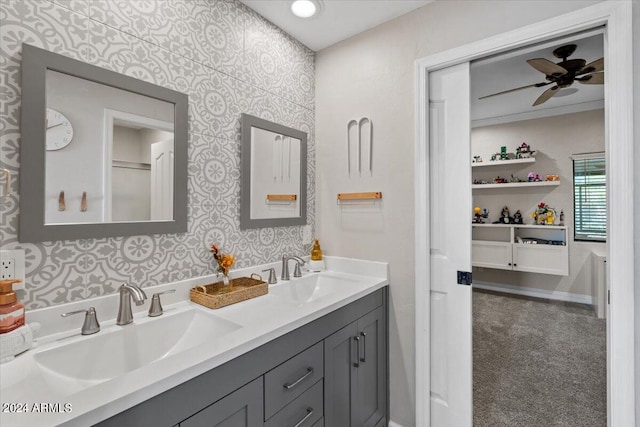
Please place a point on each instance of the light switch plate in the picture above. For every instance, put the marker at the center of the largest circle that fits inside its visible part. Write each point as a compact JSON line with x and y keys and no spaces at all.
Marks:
{"x":15,"y":266}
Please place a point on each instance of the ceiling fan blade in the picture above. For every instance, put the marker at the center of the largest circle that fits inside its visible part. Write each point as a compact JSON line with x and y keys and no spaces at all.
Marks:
{"x":592,"y":79}
{"x":547,"y":67}
{"x":592,"y":67}
{"x":546,"y":95}
{"x":516,"y":89}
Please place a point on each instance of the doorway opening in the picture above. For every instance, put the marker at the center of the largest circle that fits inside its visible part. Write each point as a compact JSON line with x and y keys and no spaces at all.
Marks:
{"x":443,"y":340}
{"x":539,"y":235}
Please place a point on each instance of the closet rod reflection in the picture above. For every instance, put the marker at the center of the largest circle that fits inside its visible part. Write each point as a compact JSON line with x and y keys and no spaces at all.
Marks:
{"x":131,"y":165}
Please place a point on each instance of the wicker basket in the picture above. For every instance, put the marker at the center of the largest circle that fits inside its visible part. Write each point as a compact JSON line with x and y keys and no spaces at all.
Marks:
{"x":216,"y":295}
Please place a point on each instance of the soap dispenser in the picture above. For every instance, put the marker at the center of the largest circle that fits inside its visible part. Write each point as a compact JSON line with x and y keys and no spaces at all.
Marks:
{"x":316,"y":263}
{"x":11,"y":310}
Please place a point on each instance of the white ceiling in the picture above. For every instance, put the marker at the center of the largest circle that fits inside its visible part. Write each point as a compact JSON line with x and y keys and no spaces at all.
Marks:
{"x":511,"y":71}
{"x":338,"y":19}
{"x":341,"y":19}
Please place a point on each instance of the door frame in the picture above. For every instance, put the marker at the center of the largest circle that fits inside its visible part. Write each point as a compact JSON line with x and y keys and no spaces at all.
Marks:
{"x":617,"y":19}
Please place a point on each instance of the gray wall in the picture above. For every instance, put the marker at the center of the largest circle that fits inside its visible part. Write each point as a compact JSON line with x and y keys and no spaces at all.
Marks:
{"x":372,"y":74}
{"x":229,"y":61}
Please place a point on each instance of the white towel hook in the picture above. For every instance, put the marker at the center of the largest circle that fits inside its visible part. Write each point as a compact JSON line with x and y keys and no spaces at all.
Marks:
{"x":364,"y":121}
{"x":349,"y":124}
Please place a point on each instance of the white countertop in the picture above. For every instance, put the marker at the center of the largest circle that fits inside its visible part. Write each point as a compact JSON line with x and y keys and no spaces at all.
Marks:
{"x":261,"y":320}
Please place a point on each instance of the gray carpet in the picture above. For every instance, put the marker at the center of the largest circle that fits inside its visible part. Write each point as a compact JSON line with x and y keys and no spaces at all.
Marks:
{"x":537,"y":363}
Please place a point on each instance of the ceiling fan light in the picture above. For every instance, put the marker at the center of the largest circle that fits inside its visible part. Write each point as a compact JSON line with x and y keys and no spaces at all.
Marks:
{"x":303,"y":8}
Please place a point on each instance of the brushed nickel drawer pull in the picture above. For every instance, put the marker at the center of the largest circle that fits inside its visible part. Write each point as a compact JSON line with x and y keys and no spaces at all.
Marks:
{"x":363,"y":359}
{"x":289,"y":386}
{"x":306,"y":417}
{"x":357,"y":362}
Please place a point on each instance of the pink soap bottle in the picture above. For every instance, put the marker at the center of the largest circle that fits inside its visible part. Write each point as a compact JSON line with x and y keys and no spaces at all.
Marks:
{"x":11,"y":310}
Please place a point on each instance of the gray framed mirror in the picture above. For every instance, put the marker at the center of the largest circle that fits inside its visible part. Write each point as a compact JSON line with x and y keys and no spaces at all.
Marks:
{"x":274,"y":174}
{"x":102,"y":154}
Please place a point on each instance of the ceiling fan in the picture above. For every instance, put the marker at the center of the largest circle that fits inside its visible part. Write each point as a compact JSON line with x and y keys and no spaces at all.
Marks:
{"x":562,"y":74}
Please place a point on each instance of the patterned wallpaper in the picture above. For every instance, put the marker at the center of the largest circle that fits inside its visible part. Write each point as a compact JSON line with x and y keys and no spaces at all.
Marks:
{"x":229,"y":60}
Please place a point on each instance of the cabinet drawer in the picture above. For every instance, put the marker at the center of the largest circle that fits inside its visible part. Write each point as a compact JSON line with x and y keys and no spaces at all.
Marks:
{"x":242,"y":408}
{"x":304,"y":411}
{"x":289,"y":380}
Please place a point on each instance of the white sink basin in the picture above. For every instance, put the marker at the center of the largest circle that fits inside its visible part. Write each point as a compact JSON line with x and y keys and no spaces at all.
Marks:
{"x":311,"y":288}
{"x":122,"y":349}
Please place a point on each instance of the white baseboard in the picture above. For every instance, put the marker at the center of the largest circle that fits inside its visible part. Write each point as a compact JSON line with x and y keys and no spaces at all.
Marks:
{"x":535,"y":292}
{"x":393,"y":424}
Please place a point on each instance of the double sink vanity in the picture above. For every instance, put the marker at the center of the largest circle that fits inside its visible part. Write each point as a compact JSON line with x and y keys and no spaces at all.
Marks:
{"x":311,"y":352}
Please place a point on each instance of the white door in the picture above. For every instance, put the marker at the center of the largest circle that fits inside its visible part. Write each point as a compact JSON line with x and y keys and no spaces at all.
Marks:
{"x":450,"y":251}
{"x":162,"y":180}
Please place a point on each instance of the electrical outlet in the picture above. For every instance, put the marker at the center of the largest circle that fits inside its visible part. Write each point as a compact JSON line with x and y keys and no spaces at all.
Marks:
{"x":7,"y":269}
{"x":12,"y":266}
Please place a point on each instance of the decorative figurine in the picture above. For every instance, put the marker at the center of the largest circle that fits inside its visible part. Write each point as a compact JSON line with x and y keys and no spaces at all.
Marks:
{"x":505,"y":217}
{"x":544,"y":214}
{"x":534,"y":177}
{"x":561,"y":217}
{"x":477,"y":159}
{"x":499,"y":180}
{"x":479,"y":215}
{"x":524,"y":151}
{"x":503,"y":153}
{"x":551,"y":217}
{"x":517,"y":217}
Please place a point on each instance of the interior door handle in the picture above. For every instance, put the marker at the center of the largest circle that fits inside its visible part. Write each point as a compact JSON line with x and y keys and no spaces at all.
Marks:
{"x":357,"y":362}
{"x":363,"y":359}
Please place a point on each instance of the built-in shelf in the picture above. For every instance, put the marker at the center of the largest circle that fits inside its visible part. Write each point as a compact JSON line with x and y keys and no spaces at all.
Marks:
{"x":550,"y":227}
{"x":527,"y":248}
{"x":127,"y":164}
{"x":517,"y":184}
{"x":503,"y":162}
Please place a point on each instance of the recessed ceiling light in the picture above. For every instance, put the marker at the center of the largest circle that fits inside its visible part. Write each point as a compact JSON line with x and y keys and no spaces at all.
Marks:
{"x":304,"y":8}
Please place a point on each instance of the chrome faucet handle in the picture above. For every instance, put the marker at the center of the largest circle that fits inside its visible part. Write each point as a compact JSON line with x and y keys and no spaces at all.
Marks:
{"x":285,"y":266}
{"x":272,"y":275}
{"x":296,"y":271}
{"x":156,"y":306}
{"x":90,"y":325}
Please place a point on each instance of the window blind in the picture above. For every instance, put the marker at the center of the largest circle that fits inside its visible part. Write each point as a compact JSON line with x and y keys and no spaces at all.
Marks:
{"x":590,"y":198}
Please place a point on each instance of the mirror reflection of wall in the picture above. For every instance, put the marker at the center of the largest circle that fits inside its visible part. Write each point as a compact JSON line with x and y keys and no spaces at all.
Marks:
{"x":109,"y":155}
{"x":275,"y":175}
{"x":131,"y":174}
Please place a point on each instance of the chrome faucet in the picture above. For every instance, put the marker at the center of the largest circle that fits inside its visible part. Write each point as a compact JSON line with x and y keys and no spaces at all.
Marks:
{"x":285,"y":266}
{"x":128,"y":292}
{"x":90,"y":325}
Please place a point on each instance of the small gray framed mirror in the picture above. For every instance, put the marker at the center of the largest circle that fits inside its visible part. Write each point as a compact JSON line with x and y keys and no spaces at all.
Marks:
{"x":102,"y":154}
{"x":274,"y":174}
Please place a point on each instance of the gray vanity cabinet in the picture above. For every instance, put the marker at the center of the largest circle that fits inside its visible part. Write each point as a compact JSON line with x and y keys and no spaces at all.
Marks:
{"x":242,"y":408}
{"x":355,"y":373}
{"x":330,"y":372}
